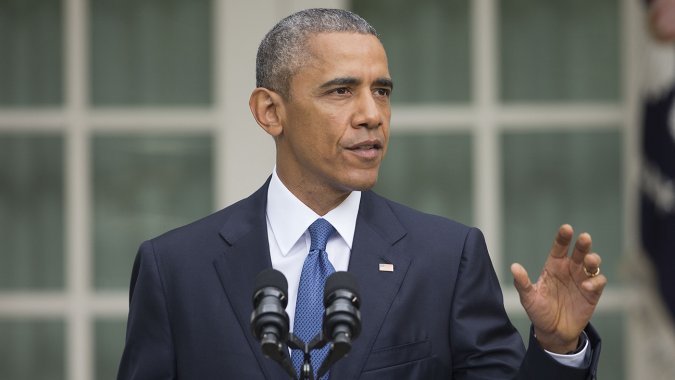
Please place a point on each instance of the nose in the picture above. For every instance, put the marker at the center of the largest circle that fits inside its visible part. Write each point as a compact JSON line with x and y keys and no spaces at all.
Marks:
{"x":368,"y":112}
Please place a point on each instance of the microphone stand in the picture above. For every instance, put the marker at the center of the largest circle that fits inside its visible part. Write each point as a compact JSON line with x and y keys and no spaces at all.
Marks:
{"x":273,"y":347}
{"x":306,"y":371}
{"x":338,"y":349}
{"x":276,"y":351}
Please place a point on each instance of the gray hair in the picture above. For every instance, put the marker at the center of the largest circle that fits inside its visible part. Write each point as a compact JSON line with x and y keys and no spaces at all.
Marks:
{"x":284,"y":48}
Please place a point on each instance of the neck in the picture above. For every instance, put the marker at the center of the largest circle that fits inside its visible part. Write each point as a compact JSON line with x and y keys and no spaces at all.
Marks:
{"x":321,"y":200}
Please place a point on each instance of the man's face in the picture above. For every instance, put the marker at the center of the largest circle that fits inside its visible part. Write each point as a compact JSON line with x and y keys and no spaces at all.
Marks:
{"x":336,"y":120}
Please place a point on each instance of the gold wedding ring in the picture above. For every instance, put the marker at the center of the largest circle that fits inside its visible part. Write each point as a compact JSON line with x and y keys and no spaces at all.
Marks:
{"x":589,"y":274}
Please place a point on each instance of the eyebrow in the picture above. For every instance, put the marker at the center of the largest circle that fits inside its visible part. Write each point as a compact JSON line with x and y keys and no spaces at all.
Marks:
{"x":384,"y":82}
{"x":352,"y":81}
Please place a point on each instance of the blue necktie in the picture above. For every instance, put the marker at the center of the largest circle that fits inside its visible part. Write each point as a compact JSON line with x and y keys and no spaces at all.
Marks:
{"x":309,"y":308}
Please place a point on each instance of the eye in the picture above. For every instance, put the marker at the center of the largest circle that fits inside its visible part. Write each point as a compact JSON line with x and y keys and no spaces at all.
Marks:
{"x":341,"y":91}
{"x":383,"y":91}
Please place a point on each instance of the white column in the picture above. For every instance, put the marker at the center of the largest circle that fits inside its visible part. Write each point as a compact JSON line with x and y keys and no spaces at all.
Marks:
{"x":486,"y":149}
{"x":77,"y":256}
{"x":244,"y":152}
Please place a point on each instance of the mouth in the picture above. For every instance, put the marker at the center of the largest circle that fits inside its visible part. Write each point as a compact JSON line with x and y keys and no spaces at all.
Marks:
{"x":366,"y":145}
{"x":367,"y":150}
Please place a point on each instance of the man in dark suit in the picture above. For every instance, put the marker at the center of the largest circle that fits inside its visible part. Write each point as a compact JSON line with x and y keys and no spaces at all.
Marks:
{"x":431,"y":304}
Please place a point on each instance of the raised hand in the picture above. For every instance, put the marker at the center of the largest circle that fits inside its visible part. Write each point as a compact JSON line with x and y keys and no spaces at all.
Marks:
{"x":560,"y":304}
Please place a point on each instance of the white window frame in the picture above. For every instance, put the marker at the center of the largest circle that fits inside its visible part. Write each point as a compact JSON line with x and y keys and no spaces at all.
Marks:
{"x":238,"y":28}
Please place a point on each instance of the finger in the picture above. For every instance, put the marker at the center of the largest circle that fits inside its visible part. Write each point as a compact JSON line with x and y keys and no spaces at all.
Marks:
{"x":582,"y":247}
{"x":595,"y":286}
{"x":521,"y":280}
{"x":589,"y":267}
{"x":592,"y":262}
{"x":562,"y":241}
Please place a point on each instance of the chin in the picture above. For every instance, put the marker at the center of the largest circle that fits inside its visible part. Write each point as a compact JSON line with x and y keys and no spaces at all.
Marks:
{"x":365,"y":187}
{"x":363,"y":184}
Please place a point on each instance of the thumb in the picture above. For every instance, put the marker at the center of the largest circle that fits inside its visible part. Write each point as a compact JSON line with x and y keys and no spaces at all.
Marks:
{"x":521,"y":280}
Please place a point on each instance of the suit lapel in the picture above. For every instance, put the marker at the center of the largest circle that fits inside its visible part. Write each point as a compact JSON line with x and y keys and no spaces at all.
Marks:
{"x":377,"y":231}
{"x":246,"y":254}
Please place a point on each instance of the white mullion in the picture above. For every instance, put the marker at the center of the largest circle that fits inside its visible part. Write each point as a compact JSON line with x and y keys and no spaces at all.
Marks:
{"x":175,"y":117}
{"x":559,"y":127}
{"x":188,"y":119}
{"x":521,"y":117}
{"x":220,"y":51}
{"x":31,"y":304}
{"x":239,"y":139}
{"x":432,"y":118}
{"x":535,"y":117}
{"x":34,"y":120}
{"x":486,"y":150}
{"x":110,"y":304}
{"x":79,"y":335}
{"x":151,"y":127}
{"x":77,"y":255}
{"x":631,"y":16}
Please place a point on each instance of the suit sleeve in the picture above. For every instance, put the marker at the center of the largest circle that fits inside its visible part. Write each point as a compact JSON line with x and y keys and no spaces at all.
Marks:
{"x":485,"y":345}
{"x":540,"y":365}
{"x":148,"y":352}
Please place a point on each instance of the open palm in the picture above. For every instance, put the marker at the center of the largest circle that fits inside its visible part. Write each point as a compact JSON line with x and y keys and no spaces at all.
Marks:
{"x":560,"y":304}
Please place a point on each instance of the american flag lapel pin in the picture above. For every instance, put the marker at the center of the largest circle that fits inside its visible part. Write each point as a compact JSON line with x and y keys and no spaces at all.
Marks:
{"x":385,"y":267}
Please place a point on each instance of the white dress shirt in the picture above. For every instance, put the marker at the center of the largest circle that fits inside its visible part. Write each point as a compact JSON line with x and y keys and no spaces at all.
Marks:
{"x":287,"y":222}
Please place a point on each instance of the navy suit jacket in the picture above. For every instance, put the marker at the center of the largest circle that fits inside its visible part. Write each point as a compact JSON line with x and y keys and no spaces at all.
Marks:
{"x":438,"y":315}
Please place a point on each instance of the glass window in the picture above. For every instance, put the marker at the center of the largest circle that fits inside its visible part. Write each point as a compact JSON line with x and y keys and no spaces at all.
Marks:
{"x":31,"y":212}
{"x":32,"y":349}
{"x":110,"y":335}
{"x":559,"y":50}
{"x":430,"y":172}
{"x":427,"y":43}
{"x":149,"y":52}
{"x":31,"y":62}
{"x":144,"y":186}
{"x":563,"y":177}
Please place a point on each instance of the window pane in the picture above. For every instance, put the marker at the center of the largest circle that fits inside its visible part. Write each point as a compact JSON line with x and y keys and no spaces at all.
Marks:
{"x":31,"y":212}
{"x":143,"y":186}
{"x":427,"y":43}
{"x":32,"y":349}
{"x":31,"y":60}
{"x":555,"y":178}
{"x":110,"y":335}
{"x":150,"y":52}
{"x":610,"y":326}
{"x":429,"y":172}
{"x":559,"y":50}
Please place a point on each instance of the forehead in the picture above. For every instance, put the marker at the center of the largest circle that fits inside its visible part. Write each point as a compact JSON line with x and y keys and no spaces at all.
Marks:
{"x":337,"y":53}
{"x":343,"y":42}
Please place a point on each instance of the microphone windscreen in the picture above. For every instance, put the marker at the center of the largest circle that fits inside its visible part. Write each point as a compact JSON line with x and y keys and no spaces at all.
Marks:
{"x":340,"y":280}
{"x":271,"y":278}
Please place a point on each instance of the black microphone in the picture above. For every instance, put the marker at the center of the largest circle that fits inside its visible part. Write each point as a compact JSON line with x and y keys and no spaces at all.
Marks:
{"x":269,"y":321}
{"x":342,"y":319}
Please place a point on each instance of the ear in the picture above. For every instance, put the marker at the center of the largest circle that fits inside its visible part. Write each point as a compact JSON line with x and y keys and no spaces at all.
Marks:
{"x":267,"y":108}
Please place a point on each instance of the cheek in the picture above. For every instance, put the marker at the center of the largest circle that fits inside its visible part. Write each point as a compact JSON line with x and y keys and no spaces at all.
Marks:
{"x":385,"y":133}
{"x":336,"y":118}
{"x":331,"y":130}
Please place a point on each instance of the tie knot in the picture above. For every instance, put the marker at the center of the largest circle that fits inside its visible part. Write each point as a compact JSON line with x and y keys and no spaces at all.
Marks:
{"x":319,"y":232}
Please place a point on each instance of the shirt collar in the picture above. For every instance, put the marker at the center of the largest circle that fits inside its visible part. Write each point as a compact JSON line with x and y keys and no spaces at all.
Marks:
{"x":289,"y":218}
